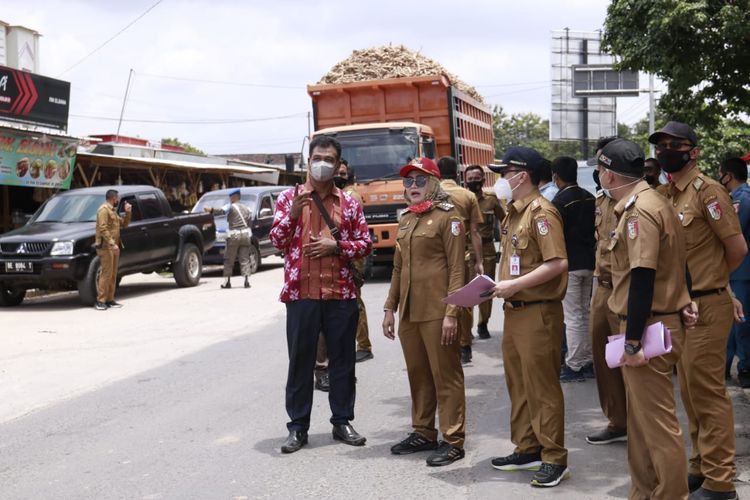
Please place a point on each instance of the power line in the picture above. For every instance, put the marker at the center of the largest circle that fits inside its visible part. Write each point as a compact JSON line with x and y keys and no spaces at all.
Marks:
{"x":131,"y":23}
{"x":222,"y":82}
{"x":204,"y":121}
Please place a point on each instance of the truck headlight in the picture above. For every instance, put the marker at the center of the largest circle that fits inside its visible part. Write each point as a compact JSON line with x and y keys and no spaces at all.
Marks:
{"x":221,"y":236}
{"x":62,"y":248}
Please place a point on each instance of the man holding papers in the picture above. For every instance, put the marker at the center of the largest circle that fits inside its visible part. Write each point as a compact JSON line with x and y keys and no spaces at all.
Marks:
{"x":649,"y":285}
{"x":533,"y":278}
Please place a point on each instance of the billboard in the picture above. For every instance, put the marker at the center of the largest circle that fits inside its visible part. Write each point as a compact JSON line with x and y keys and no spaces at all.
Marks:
{"x":36,"y":160}
{"x":575,"y":117}
{"x":592,"y":80}
{"x":35,"y":99}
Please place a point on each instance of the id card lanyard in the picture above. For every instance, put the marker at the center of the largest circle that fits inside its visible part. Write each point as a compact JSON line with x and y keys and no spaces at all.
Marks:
{"x":515,"y":259}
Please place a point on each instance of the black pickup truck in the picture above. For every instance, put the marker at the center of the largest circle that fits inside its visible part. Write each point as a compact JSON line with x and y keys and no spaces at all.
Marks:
{"x":55,"y":249}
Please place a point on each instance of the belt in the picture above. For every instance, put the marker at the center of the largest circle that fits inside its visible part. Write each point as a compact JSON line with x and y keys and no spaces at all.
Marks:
{"x":702,"y":293}
{"x":604,"y":283}
{"x":520,"y":304}
{"x":624,"y":317}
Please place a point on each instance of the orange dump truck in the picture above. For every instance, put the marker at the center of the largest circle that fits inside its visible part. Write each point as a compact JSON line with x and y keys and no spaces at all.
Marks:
{"x":384,"y":124}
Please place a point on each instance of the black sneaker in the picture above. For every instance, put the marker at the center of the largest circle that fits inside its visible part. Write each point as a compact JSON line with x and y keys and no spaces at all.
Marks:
{"x":363,"y":356}
{"x":695,"y":481}
{"x":606,"y":436}
{"x":100,"y":306}
{"x":322,"y":383}
{"x":518,"y":461}
{"x":446,"y":454}
{"x":482,"y":331}
{"x":466,"y":354}
{"x":413,"y":444}
{"x":588,"y":371}
{"x":550,"y":475}
{"x":114,"y":304}
{"x":704,"y":494}
{"x":567,"y":374}
{"x":743,"y":376}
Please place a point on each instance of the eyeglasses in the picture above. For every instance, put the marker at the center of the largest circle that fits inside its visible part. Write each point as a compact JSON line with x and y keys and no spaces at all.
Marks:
{"x":673,"y":145}
{"x":419,"y":180}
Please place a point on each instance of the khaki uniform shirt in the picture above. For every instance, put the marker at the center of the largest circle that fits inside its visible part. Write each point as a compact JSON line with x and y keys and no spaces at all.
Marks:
{"x":428,"y":263}
{"x":707,"y":215}
{"x":662,"y":189}
{"x":492,"y":212}
{"x":648,"y":235}
{"x":467,"y":206}
{"x":108,"y":224}
{"x":604,"y":226}
{"x":533,"y":230}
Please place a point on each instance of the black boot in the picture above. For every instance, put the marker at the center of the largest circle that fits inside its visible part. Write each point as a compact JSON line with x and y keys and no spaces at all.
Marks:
{"x":482,"y":331}
{"x":227,"y":284}
{"x":247,"y":282}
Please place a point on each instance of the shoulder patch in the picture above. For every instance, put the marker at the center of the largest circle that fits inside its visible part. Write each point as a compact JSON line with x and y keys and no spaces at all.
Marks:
{"x":631,"y":201}
{"x":444,"y":205}
{"x":633,"y":228}
{"x":714,"y":209}
{"x":456,"y":227}
{"x":698,"y":183}
{"x":542,"y":226}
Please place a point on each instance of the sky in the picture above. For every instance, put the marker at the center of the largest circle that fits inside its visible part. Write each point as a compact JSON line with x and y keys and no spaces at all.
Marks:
{"x":270,"y":50}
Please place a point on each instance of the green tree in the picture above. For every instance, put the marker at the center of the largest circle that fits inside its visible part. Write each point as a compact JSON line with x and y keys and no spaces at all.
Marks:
{"x":174,"y":141}
{"x":530,"y":130}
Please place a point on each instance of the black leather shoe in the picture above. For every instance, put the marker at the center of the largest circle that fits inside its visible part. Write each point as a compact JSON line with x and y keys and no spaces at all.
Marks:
{"x":482,"y":331}
{"x":346,"y":434}
{"x":466,"y":355}
{"x":228,"y":284}
{"x":446,"y":454}
{"x":321,"y":382}
{"x":695,"y":481}
{"x":294,"y":442}
{"x":704,"y":494}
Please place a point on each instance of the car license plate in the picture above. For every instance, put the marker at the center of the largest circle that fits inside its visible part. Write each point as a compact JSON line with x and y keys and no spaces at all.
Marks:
{"x":19,"y":267}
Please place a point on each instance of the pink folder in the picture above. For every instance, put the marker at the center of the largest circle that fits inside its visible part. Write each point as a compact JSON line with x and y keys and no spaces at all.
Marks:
{"x":469,"y":295}
{"x":656,"y":341}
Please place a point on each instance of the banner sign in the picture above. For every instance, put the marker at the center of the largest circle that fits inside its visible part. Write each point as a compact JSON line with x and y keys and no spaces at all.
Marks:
{"x":29,"y":98}
{"x":36,"y":160}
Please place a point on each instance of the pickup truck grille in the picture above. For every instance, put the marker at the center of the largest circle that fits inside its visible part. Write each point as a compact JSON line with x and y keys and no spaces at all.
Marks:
{"x":382,"y":214}
{"x":29,"y":248}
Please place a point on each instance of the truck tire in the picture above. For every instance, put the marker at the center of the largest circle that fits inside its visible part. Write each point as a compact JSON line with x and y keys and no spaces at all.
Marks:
{"x":368,"y":267}
{"x":87,"y":287}
{"x":189,"y":268}
{"x":254,"y":259}
{"x":11,"y":297}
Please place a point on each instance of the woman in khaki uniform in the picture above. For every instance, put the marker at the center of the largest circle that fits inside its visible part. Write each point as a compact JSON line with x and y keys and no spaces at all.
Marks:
{"x":427,"y":266}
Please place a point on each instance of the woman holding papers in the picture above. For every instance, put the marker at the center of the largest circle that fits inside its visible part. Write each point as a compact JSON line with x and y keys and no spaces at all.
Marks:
{"x":427,"y":266}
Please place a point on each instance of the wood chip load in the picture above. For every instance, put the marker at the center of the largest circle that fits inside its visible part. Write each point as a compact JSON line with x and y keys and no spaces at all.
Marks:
{"x":380,"y":63}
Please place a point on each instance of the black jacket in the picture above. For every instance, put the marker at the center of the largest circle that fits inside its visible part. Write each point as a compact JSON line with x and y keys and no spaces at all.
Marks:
{"x":577,"y":207}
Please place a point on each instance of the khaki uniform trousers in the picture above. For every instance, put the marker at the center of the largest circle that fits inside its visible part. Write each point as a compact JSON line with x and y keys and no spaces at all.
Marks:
{"x":602,"y":324}
{"x":489,"y":263}
{"x":363,"y":332}
{"x":107,"y":281}
{"x":656,"y":450}
{"x":704,"y":393}
{"x":532,"y":338}
{"x":235,"y":247}
{"x":465,"y":315}
{"x":436,"y":380}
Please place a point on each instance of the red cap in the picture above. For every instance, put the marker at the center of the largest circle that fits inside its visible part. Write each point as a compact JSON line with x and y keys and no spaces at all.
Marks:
{"x":423,"y":165}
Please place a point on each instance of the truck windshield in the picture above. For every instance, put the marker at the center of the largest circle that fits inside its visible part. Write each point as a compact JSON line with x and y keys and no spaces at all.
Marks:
{"x":218,"y":200}
{"x":378,"y":153}
{"x":77,"y":208}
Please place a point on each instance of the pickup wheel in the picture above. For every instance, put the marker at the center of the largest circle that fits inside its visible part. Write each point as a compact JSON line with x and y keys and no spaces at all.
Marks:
{"x":254,"y":259}
{"x":10,"y":297}
{"x":188,"y":270}
{"x":87,"y":287}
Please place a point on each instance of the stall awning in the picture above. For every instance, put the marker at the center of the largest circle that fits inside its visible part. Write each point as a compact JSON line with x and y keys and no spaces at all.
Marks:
{"x":130,"y":162}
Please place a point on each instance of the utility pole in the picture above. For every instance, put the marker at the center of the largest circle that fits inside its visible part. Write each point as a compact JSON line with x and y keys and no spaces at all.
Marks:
{"x":651,"y":113}
{"x":124,"y":100}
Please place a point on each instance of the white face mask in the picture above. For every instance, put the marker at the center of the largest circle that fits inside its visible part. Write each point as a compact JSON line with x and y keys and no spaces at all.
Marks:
{"x":502,"y":188}
{"x":322,"y":171}
{"x":608,"y":191}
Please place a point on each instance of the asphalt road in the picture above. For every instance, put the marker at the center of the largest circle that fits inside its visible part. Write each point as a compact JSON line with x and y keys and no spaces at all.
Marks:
{"x":180,"y":395}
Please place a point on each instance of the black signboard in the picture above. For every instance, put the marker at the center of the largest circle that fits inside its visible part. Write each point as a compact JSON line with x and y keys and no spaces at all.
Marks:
{"x":29,"y":98}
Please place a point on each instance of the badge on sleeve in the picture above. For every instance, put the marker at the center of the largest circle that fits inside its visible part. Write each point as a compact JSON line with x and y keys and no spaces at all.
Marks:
{"x":714,"y":210}
{"x":456,"y":227}
{"x":736,"y":205}
{"x":542,"y":226}
{"x":632,"y":228}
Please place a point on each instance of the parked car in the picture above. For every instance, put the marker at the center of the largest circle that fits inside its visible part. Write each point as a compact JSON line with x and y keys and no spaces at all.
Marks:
{"x":261,"y":201}
{"x":55,"y":249}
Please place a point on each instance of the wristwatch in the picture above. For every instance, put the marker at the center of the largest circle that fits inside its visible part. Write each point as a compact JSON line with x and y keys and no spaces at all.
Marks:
{"x":632,"y":349}
{"x":338,"y":248}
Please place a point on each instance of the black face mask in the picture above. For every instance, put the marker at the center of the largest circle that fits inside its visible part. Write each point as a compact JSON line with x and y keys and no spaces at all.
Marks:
{"x":595,"y":175}
{"x":474,"y":186}
{"x":672,"y":161}
{"x":650,"y":179}
{"x":340,"y":182}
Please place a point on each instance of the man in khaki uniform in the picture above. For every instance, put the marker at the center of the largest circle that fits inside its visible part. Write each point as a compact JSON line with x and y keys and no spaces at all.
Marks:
{"x":603,"y":323}
{"x":493,"y":213}
{"x":651,"y":174}
{"x":108,"y":245}
{"x":532,"y":280}
{"x":468,"y":207}
{"x":715,"y":247}
{"x":648,"y":275}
